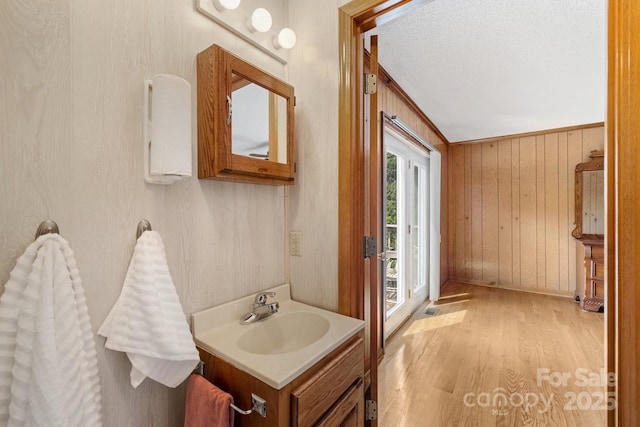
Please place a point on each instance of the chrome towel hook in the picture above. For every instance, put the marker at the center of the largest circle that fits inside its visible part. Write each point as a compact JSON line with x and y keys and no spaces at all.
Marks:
{"x":47,"y":227}
{"x":143,"y":226}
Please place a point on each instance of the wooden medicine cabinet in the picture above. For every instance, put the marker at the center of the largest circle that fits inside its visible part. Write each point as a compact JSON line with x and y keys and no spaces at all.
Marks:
{"x":245,"y":121}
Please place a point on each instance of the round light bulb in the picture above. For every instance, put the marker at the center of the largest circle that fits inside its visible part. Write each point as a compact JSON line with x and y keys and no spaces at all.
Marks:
{"x":221,"y":5}
{"x":260,"y":20}
{"x":286,"y":39}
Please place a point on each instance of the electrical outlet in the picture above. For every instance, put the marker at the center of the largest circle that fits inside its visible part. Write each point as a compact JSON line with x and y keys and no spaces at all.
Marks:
{"x":295,"y":243}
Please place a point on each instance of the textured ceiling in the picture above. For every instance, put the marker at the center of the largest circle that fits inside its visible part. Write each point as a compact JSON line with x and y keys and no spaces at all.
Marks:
{"x":487,"y":68}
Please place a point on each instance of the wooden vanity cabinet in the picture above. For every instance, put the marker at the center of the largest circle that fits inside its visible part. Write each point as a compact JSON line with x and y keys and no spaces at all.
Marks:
{"x":328,"y":394}
{"x":592,"y":296}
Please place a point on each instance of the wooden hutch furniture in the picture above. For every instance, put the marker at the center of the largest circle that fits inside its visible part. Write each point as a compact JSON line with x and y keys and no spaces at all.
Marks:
{"x":589,"y":230}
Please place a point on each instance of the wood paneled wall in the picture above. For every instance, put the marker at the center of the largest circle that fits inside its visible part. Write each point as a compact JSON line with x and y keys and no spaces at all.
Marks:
{"x":392,"y":104}
{"x":511,"y":205}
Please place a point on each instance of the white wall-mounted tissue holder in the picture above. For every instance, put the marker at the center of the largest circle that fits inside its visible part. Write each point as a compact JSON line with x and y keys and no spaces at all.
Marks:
{"x":167,"y":129}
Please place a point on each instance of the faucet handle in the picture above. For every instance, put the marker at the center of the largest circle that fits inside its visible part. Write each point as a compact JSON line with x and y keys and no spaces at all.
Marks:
{"x":261,"y":298}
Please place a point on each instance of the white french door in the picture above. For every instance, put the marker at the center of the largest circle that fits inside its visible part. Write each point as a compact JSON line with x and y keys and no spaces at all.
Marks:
{"x":406,"y":230}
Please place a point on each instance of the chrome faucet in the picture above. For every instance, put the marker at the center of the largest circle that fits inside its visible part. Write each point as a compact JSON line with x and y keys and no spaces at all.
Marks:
{"x":261,"y":298}
{"x":261,"y":310}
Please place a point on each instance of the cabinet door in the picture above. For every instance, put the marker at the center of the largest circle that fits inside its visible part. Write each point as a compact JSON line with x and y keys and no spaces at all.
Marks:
{"x":348,"y":411}
{"x":319,"y":394}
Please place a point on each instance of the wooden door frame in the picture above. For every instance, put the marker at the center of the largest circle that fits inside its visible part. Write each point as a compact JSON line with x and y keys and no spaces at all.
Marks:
{"x":355,"y":295}
{"x":622,"y":242}
{"x":355,"y":18}
{"x":623,"y":200}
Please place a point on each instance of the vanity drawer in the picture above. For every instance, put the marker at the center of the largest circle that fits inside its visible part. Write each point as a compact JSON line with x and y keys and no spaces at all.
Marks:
{"x":318,"y":394}
{"x":597,"y":251}
{"x":348,"y":411}
{"x":597,"y":268}
{"x":597,"y":289}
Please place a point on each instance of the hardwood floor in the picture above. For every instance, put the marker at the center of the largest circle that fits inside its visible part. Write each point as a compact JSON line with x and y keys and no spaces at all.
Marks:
{"x":495,"y":357}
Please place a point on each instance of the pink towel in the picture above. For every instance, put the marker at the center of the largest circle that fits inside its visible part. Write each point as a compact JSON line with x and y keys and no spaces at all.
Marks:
{"x":207,"y":405}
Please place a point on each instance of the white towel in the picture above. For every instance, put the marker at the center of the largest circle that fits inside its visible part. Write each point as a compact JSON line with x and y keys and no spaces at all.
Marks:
{"x":147,"y":321}
{"x":48,"y":365}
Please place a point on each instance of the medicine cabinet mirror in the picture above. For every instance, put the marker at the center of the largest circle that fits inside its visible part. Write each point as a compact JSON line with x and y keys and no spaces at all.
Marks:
{"x":590,"y":222}
{"x":245,"y":121}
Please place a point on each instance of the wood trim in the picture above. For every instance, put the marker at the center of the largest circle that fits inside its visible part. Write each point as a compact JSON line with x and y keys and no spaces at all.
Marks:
{"x":397,"y":90}
{"x":529,"y":289}
{"x":610,"y":304}
{"x":350,"y":173}
{"x":273,"y":127}
{"x":526,"y":134}
{"x":374,"y":229}
{"x":622,"y":244}
{"x":368,"y":14}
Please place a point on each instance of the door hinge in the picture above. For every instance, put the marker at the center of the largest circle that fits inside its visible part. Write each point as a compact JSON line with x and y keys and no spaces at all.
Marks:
{"x":370,"y":83}
{"x":369,"y":247}
{"x":371,"y":410}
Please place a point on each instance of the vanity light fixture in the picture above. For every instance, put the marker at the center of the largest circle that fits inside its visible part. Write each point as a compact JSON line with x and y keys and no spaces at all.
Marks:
{"x":255,"y":28}
{"x":223,"y":5}
{"x":286,"y":39}
{"x":260,"y":21}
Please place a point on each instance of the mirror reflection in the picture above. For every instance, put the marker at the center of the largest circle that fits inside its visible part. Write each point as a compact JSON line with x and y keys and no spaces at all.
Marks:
{"x":593,"y":202}
{"x":589,"y":207}
{"x":259,"y":121}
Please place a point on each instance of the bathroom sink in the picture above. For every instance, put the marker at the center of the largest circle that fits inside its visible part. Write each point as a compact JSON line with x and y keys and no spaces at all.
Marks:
{"x":277,"y":349}
{"x":284,"y":333}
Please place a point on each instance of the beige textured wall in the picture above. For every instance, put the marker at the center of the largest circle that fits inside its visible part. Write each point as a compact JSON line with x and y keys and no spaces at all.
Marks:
{"x":71,"y":84}
{"x":313,"y":205}
{"x":512,"y":209}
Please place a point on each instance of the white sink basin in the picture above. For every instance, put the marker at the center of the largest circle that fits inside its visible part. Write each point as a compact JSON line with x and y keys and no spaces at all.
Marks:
{"x":284,"y":333}
{"x":279,"y":348}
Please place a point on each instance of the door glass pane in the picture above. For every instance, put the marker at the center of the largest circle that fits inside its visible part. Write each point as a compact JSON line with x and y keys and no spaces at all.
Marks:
{"x":393,"y":240}
{"x":419,"y":248}
{"x":415,"y":230}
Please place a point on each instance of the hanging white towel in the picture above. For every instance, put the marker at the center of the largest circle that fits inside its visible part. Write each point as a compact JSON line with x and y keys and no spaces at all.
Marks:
{"x":147,"y":321}
{"x":48,"y":365}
